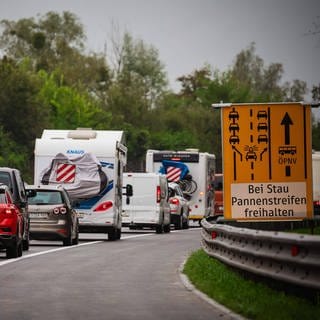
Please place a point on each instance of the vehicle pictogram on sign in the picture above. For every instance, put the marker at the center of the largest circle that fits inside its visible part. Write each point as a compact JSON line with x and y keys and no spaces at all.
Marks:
{"x":267,"y":161}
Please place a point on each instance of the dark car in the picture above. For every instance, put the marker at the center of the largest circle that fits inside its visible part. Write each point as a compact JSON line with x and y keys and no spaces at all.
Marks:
{"x":11,"y":224}
{"x":52,"y":216}
{"x":12,"y":178}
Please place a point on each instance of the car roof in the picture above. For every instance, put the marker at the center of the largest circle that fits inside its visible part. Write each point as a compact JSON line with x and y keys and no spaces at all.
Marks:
{"x":57,"y":187}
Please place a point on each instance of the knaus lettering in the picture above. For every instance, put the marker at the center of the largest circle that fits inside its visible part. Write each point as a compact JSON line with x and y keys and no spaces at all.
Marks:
{"x":70,"y":151}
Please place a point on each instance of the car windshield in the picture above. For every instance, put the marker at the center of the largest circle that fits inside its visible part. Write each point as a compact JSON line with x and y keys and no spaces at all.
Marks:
{"x":46,"y":197}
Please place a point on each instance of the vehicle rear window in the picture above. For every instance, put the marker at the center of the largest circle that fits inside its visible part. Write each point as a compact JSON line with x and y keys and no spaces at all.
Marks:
{"x":218,"y":185}
{"x":46,"y":197}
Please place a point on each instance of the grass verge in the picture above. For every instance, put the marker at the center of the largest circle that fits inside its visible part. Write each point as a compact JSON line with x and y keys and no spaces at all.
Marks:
{"x":250,"y":299}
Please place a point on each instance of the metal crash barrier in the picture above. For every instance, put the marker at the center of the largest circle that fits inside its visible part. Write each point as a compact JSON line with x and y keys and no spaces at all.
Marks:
{"x":289,"y":257}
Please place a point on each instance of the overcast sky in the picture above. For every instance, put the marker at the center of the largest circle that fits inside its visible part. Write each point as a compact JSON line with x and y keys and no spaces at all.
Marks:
{"x":190,"y":33}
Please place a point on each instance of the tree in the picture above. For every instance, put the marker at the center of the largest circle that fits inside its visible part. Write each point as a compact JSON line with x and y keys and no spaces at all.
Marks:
{"x":263,"y":82}
{"x":56,"y":42}
{"x":68,"y":107}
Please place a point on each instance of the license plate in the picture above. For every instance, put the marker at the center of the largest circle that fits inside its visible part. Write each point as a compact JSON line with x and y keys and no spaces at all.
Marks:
{"x":80,"y":215}
{"x":38,"y":215}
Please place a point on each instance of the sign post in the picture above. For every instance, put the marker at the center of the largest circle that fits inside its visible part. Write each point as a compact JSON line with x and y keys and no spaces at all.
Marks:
{"x":267,"y":161}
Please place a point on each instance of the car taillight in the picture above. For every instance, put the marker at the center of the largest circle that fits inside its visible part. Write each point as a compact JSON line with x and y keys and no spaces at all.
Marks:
{"x":104,"y":206}
{"x":9,"y":211}
{"x":60,"y":210}
{"x":158,"y":193}
{"x":174,"y":201}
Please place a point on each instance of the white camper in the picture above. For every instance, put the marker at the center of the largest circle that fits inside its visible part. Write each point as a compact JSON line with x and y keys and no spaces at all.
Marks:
{"x":149,"y":206}
{"x":194,"y":171}
{"x":89,"y":164}
{"x":316,"y":181}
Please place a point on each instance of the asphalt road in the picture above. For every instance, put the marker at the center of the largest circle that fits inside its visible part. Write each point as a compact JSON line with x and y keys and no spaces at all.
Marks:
{"x":134,"y":278}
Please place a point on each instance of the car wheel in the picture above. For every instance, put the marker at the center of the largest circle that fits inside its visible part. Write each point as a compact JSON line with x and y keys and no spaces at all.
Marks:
{"x":13,"y":251}
{"x":26,"y":243}
{"x":20,"y":249}
{"x":178,"y":224}
{"x":68,"y":240}
{"x":118,"y":234}
{"x":75,"y":241}
{"x":185,"y":224}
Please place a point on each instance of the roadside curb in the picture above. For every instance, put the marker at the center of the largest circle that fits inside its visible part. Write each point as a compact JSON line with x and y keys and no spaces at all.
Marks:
{"x":225,"y":312}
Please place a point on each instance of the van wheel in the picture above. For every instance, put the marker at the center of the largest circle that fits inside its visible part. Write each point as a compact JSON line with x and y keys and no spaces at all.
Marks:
{"x":159,"y":228}
{"x":166,"y":228}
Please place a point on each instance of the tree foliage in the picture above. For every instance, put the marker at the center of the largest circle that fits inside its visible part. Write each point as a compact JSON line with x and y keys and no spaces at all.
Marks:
{"x":49,"y":80}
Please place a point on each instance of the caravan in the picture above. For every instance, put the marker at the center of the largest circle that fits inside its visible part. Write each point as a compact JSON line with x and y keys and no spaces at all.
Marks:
{"x":194,"y":171}
{"x":89,"y":164}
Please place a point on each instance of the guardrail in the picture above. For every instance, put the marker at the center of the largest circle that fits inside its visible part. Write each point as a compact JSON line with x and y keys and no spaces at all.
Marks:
{"x":289,"y":257}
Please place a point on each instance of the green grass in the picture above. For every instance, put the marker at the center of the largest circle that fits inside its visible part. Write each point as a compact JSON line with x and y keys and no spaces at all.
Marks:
{"x":252,"y":300}
{"x":316,"y":231}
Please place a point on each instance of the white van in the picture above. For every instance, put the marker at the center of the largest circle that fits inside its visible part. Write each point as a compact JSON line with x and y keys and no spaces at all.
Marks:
{"x":149,"y":205}
{"x":89,"y":164}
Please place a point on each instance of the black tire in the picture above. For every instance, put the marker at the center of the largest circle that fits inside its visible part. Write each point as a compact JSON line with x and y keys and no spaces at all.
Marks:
{"x":26,"y":240}
{"x":26,"y":243}
{"x":118,"y":234}
{"x":75,"y":241}
{"x":159,"y":228}
{"x":178,"y":224}
{"x":185,"y":224}
{"x":20,"y":249}
{"x":112,"y":235}
{"x":68,"y":241}
{"x":166,"y":228}
{"x":13,"y":251}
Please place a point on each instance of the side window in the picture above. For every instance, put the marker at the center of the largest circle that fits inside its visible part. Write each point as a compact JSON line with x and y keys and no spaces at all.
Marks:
{"x":9,"y":199}
{"x":20,"y":184}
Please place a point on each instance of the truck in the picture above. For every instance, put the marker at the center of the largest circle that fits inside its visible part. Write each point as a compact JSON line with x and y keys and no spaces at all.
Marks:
{"x":194,"y":171}
{"x":316,"y":181}
{"x":149,"y":206}
{"x":89,"y":165}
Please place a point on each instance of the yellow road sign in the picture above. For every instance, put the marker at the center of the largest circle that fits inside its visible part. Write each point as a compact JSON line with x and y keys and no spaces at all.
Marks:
{"x":267,"y":161}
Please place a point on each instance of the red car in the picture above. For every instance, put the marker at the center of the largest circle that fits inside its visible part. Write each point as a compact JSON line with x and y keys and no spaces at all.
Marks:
{"x":11,"y":224}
